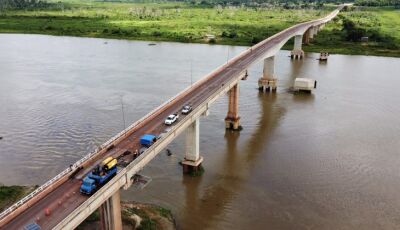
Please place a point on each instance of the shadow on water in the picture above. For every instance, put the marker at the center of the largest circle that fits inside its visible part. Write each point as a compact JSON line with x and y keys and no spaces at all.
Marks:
{"x":234,"y":171}
{"x":303,"y":97}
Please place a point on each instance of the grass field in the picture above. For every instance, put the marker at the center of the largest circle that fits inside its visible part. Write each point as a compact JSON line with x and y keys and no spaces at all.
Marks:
{"x":167,"y":21}
{"x":382,"y":26}
{"x":11,"y":194}
{"x":182,"y":22}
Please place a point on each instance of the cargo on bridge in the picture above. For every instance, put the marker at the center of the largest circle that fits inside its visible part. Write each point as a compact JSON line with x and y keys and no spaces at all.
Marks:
{"x":109,"y":163}
{"x":99,"y":176}
{"x":148,"y":139}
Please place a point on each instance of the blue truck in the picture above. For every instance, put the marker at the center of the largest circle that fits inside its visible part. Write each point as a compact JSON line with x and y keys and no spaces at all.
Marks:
{"x":99,"y":176}
{"x":148,"y":139}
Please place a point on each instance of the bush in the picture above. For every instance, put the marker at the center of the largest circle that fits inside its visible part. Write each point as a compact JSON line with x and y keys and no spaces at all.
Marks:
{"x":116,"y":31}
{"x":232,"y":34}
{"x":157,"y":33}
{"x":255,"y":40}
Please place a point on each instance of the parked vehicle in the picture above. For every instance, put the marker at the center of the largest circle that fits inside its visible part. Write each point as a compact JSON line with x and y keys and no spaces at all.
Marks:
{"x":171,"y":119}
{"x":99,"y":176}
{"x":32,"y":226}
{"x":148,"y":139}
{"x":186,"y":109}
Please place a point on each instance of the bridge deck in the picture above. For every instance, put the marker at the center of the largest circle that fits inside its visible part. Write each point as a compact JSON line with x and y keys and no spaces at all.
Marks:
{"x":64,"y":199}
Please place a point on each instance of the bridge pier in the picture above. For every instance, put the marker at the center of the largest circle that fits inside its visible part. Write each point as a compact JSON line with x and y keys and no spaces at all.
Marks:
{"x":232,"y":120}
{"x":316,"y":30}
{"x":268,"y":81}
{"x":306,"y":37}
{"x":110,"y":213}
{"x":193,"y":160}
{"x":311,"y":33}
{"x":297,"y":52}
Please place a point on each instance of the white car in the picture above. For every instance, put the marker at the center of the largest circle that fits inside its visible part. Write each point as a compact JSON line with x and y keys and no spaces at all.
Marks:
{"x":171,"y":119}
{"x":186,"y":109}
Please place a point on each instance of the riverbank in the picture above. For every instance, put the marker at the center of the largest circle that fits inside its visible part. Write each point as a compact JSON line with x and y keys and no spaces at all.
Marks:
{"x":379,"y":25}
{"x":179,"y":22}
{"x":183,"y":22}
{"x":11,"y":194}
{"x":137,"y":216}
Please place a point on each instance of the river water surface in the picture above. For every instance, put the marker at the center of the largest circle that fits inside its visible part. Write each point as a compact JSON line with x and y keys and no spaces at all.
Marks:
{"x":329,"y":160}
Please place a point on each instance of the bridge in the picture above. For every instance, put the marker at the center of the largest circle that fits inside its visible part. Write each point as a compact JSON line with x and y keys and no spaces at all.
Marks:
{"x":58,"y":203}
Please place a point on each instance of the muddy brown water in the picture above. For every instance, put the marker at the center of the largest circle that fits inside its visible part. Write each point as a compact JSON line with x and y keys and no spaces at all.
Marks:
{"x":329,"y":160}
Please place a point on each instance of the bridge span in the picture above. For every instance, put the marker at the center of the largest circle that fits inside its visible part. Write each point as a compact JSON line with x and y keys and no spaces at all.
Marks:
{"x":58,"y":203}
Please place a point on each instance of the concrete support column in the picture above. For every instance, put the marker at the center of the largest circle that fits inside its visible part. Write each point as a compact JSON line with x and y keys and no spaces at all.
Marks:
{"x":297,"y":42}
{"x":311,"y":32}
{"x":268,"y":81}
{"x":316,"y":29}
{"x":297,"y":52}
{"x":306,"y":37}
{"x":192,"y":159}
{"x":110,"y":213}
{"x":232,"y":120}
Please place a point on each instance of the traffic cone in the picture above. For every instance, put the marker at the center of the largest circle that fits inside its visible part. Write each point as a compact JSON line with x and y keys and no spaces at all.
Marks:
{"x":47,"y":212}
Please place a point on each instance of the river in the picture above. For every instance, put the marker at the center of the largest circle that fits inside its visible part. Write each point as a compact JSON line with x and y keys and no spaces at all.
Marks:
{"x":327,"y":160}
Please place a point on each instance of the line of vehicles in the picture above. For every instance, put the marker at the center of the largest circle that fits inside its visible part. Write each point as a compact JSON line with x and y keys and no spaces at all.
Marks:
{"x":107,"y":169}
{"x":174,"y":117}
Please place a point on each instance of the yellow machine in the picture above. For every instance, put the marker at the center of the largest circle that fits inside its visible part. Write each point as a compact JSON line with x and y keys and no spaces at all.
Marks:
{"x":109,"y":163}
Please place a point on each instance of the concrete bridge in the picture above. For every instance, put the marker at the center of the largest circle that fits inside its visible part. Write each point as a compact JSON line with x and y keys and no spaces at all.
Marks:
{"x":58,"y":203}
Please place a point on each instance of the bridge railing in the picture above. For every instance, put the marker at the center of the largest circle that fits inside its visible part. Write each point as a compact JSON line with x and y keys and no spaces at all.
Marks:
{"x":35,"y":192}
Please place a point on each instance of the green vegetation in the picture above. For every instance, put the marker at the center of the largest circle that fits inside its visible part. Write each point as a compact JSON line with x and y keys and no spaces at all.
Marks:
{"x":147,"y":222}
{"x":179,"y":22}
{"x":151,"y":217}
{"x":11,"y":194}
{"x":23,"y":4}
{"x":380,"y":25}
{"x":378,"y":3}
{"x":206,"y":22}
{"x":165,"y":212}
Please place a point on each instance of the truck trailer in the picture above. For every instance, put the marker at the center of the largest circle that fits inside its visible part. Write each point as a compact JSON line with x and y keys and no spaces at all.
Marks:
{"x":99,"y":176}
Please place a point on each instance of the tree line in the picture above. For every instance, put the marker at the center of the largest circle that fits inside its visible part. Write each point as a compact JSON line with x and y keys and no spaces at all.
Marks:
{"x":23,"y":4}
{"x":37,"y":4}
{"x":378,"y":3}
